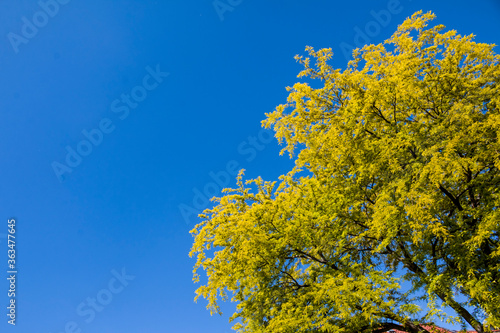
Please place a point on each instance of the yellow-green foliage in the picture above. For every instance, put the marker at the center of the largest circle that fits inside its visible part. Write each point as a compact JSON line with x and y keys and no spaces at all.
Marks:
{"x":394,"y":198}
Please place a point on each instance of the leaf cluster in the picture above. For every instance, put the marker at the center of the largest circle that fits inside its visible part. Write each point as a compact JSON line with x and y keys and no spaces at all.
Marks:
{"x":393,"y":200}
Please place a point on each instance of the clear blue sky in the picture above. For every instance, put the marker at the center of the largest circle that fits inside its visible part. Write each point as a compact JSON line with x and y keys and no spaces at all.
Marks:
{"x":116,"y":116}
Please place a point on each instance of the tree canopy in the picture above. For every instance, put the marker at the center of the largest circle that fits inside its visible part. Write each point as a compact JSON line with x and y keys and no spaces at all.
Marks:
{"x":392,"y":203}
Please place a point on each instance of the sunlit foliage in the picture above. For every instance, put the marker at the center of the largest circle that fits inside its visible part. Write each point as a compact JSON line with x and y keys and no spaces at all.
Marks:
{"x":393,"y":200}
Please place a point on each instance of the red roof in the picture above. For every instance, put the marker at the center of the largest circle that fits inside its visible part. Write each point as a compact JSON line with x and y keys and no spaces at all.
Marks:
{"x":430,"y":328}
{"x":436,"y":329}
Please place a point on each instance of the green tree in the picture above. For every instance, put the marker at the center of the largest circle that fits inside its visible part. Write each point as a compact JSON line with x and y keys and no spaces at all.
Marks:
{"x":393,"y":200}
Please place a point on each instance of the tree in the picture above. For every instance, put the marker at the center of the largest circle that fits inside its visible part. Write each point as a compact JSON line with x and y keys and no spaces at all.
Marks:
{"x":393,"y":200}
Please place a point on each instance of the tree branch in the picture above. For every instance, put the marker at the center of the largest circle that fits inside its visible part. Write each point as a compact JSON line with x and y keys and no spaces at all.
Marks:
{"x":451,"y":197}
{"x":412,"y":266}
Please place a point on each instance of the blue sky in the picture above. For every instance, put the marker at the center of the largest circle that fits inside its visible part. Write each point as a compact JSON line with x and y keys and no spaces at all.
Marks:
{"x":119,"y":118}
